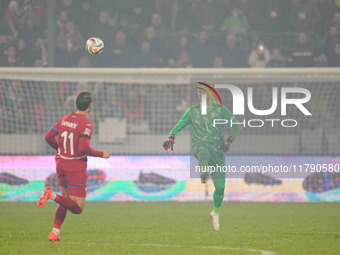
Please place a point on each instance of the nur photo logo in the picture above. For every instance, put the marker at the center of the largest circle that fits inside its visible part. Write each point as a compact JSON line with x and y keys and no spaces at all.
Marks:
{"x":282,"y":97}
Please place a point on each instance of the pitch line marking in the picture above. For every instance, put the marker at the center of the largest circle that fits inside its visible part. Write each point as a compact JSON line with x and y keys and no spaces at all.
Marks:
{"x":261,"y":252}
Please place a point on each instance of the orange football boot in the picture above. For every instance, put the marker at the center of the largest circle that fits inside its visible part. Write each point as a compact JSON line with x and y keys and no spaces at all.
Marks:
{"x":46,"y":196}
{"x":53,"y":237}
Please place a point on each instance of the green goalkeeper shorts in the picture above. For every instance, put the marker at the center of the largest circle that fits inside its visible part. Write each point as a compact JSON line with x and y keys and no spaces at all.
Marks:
{"x":216,"y":159}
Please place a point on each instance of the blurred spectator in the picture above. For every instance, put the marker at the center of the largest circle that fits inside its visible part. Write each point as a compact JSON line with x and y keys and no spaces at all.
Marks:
{"x":157,"y":45}
{"x":37,"y":106}
{"x":38,"y":63}
{"x":10,"y":58}
{"x":326,"y":9}
{"x":232,"y":54}
{"x":21,"y":122}
{"x":10,"y":21}
{"x":29,"y":32}
{"x":69,"y":6}
{"x":24,"y":54}
{"x":3,"y":46}
{"x":270,"y":16}
{"x":122,"y":7}
{"x":334,"y":60}
{"x":209,"y":14}
{"x":183,"y":43}
{"x":327,"y":44}
{"x":3,"y":8}
{"x":180,"y":45}
{"x":169,"y":20}
{"x":134,"y":107}
{"x":112,"y":108}
{"x":276,"y":59}
{"x":160,"y":30}
{"x":123,"y":24}
{"x":120,"y":54}
{"x":305,"y":15}
{"x":69,"y":44}
{"x":84,"y":18}
{"x":336,"y":20}
{"x":84,"y":61}
{"x":62,"y":20}
{"x":108,"y":5}
{"x":62,"y":92}
{"x":138,"y":20}
{"x":41,"y":14}
{"x":200,"y":51}
{"x":175,"y":13}
{"x":321,"y":60}
{"x":302,"y":53}
{"x":14,"y":97}
{"x":218,"y":62}
{"x":259,"y":57}
{"x":103,"y":28}
{"x":145,"y":57}
{"x":18,"y":106}
{"x":40,"y":51}
{"x":236,"y":23}
{"x":18,"y":117}
{"x":183,"y":60}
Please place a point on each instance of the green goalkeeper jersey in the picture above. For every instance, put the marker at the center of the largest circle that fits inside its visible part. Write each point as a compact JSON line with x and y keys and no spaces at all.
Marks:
{"x":203,"y":131}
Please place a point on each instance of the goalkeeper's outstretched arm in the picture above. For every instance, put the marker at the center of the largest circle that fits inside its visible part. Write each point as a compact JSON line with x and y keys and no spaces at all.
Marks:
{"x":182,"y":123}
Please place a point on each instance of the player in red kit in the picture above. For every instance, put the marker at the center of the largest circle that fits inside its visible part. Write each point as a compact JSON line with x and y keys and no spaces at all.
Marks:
{"x":74,"y":133}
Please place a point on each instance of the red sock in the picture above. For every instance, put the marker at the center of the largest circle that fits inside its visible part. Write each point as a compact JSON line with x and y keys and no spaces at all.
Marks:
{"x":69,"y":204}
{"x":60,"y":215}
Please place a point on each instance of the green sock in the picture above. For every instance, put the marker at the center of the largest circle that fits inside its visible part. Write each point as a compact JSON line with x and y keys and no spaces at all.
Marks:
{"x":216,"y":209}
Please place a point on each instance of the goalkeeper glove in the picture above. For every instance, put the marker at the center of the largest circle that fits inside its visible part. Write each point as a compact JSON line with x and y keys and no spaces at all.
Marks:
{"x":204,"y":177}
{"x":225,"y":146}
{"x":169,"y":143}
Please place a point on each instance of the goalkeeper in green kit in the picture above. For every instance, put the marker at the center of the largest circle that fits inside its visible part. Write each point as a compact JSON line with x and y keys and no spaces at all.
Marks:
{"x":208,"y":143}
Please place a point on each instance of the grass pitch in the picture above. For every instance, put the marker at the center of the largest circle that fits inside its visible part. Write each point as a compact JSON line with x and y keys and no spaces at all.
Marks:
{"x":173,"y":228}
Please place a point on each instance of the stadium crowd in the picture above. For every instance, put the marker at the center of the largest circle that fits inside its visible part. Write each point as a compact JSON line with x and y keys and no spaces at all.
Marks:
{"x":173,"y":33}
{"x":153,"y":33}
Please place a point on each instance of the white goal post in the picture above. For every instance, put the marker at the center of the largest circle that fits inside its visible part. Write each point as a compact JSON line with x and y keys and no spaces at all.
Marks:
{"x":166,"y":75}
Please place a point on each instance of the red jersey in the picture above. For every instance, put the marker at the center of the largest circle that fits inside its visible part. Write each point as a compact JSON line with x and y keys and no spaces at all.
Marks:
{"x":74,"y":133}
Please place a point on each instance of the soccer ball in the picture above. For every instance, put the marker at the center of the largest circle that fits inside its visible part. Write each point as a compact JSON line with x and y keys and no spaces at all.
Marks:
{"x":94,"y":45}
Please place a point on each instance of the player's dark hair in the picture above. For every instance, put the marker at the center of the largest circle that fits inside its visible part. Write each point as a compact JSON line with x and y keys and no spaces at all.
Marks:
{"x":84,"y":99}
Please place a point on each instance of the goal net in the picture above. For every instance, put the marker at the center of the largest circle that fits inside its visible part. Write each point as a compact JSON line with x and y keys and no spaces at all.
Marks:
{"x":135,"y":109}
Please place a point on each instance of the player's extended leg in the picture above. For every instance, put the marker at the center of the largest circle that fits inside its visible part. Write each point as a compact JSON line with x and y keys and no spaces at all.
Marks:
{"x":65,"y":201}
{"x":75,"y":184}
{"x":73,"y":204}
{"x":219,"y":183}
{"x":203,"y":157}
{"x":60,"y":215}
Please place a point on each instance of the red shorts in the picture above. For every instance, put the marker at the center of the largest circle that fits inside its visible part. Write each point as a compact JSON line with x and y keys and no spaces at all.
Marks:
{"x":73,"y":175}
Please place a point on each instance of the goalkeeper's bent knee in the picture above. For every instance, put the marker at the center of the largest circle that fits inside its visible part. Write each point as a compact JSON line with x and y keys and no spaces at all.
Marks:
{"x":203,"y":155}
